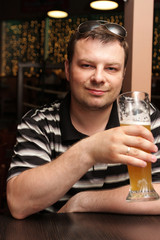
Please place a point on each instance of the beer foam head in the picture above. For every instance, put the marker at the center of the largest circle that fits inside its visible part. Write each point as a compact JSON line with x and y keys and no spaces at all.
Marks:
{"x":131,"y":118}
{"x":131,"y":122}
{"x":136,"y":112}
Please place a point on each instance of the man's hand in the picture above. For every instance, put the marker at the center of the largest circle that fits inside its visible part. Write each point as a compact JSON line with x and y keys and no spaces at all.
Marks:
{"x":111,"y":146}
{"x":74,"y":204}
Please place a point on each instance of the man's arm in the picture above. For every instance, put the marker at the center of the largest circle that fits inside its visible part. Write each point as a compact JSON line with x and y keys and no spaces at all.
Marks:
{"x":40,"y":187}
{"x":113,"y":201}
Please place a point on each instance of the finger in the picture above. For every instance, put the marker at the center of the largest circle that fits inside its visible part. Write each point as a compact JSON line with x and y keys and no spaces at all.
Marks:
{"x":61,"y":210}
{"x":129,"y":155}
{"x":140,"y":143}
{"x":130,"y":160}
{"x":137,"y":130}
{"x":142,"y":155}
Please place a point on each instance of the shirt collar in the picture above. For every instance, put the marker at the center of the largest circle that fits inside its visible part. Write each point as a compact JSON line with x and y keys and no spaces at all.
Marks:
{"x":69,"y":133}
{"x":113,"y":119}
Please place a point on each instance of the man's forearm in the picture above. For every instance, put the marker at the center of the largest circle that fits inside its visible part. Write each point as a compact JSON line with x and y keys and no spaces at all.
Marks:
{"x":113,"y":201}
{"x":38,"y":188}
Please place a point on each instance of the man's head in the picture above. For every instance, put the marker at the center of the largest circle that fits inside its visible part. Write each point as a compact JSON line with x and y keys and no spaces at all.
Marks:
{"x":97,"y":56}
{"x":101,"y":30}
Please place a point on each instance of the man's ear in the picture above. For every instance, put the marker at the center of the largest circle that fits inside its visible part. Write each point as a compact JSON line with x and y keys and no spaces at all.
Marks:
{"x":67,"y":69}
{"x":124,"y":72}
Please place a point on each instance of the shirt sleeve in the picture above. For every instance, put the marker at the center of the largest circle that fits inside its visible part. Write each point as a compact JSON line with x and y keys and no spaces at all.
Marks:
{"x":32,"y":147}
{"x":155,"y":128}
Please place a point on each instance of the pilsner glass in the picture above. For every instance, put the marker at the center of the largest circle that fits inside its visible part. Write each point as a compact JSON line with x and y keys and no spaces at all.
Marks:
{"x":133,"y":109}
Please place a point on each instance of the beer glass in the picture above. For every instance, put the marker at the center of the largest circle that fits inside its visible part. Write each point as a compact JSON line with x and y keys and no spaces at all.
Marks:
{"x":133,"y":109}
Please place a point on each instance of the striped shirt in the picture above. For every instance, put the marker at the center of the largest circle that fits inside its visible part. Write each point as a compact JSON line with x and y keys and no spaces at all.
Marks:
{"x":47,"y":132}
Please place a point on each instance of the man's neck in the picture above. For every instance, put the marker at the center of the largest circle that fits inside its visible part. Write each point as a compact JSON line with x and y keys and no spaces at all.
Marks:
{"x":90,"y":122}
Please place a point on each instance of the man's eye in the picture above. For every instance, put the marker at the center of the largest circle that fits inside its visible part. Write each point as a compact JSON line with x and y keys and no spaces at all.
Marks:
{"x":87,"y":66}
{"x":112,"y":69}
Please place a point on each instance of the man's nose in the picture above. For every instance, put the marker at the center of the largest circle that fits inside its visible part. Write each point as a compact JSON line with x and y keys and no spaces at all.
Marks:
{"x":98,"y":76}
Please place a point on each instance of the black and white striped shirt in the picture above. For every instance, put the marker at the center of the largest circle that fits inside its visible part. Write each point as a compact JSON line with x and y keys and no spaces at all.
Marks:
{"x":47,"y":132}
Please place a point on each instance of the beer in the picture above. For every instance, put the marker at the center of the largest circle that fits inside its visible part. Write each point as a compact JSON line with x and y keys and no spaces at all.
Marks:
{"x":140,"y":178}
{"x":134,"y":109}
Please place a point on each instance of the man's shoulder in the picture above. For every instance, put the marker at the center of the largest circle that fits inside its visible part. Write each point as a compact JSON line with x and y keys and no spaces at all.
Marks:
{"x":154,"y":112}
{"x":47,"y":111}
{"x":155,"y":119}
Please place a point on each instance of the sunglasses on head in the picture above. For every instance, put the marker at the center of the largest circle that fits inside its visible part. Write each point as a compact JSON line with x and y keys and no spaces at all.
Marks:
{"x":113,"y":28}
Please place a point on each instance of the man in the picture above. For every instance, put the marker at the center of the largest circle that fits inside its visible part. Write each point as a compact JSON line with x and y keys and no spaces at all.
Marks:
{"x":71,"y":156}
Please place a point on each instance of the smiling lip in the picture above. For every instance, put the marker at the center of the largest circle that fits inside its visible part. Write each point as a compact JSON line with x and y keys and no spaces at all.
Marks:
{"x":96,"y":92}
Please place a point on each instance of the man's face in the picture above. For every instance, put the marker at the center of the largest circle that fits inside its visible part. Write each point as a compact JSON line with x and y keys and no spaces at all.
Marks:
{"x":95,"y":74}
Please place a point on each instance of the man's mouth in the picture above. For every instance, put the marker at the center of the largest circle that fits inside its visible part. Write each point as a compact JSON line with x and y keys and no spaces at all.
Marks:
{"x":96,"y":92}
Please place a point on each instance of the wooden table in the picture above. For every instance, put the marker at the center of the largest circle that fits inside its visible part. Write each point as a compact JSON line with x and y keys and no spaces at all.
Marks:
{"x":75,"y":226}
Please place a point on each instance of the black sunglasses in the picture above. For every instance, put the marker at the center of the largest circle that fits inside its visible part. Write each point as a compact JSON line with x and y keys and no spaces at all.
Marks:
{"x":113,"y":28}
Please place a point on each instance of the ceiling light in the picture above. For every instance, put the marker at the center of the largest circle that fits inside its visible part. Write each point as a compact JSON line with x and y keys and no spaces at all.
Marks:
{"x":104,"y":5}
{"x":57,"y":14}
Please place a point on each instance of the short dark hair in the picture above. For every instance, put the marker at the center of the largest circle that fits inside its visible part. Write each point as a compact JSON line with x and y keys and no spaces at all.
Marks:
{"x":100,"y":33}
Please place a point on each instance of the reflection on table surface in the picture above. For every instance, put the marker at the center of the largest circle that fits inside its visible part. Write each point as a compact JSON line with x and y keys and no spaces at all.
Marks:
{"x":80,"y":226}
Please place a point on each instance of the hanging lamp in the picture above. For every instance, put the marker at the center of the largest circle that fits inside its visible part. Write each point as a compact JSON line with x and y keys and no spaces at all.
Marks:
{"x":104,"y":5}
{"x":57,"y":14}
